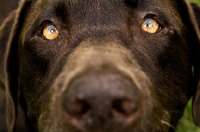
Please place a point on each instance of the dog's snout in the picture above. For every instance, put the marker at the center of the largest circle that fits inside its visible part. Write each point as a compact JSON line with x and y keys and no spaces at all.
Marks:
{"x":101,"y":98}
{"x":97,"y":93}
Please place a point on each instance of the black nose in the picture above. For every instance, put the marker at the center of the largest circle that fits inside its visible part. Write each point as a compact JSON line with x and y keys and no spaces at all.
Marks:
{"x":102,"y":101}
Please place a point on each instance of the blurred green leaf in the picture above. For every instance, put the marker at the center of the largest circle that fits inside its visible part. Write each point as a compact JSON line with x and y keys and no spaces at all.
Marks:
{"x":186,"y":123}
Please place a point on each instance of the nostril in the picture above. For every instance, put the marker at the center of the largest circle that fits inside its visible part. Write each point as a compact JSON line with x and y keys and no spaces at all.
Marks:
{"x":124,"y":107}
{"x":83,"y":108}
{"x":79,"y":108}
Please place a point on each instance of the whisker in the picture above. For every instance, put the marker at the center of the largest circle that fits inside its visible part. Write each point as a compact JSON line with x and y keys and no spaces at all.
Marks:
{"x":168,"y":124}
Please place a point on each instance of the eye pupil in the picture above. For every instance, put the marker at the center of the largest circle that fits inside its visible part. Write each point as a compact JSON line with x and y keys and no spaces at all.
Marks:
{"x":51,"y":29}
{"x":50,"y":32}
{"x":149,"y":23}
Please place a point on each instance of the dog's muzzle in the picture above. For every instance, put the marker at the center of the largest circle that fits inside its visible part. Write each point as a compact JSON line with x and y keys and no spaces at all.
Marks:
{"x":100,"y":89}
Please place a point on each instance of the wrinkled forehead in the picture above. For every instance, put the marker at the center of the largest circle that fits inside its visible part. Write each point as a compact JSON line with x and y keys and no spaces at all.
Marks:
{"x":167,"y":8}
{"x":96,"y":3}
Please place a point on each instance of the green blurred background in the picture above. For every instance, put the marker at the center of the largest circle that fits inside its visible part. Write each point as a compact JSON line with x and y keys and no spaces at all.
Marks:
{"x":197,"y":1}
{"x":186,"y":123}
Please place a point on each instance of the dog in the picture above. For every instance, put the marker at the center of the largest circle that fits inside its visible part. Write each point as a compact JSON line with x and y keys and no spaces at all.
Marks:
{"x":99,"y":65}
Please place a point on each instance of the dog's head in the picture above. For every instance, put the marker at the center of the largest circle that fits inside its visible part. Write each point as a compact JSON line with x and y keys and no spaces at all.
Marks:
{"x":103,"y":65}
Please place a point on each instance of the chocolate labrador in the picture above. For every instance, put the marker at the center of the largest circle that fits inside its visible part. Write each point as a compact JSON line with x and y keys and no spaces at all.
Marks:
{"x":100,"y":65}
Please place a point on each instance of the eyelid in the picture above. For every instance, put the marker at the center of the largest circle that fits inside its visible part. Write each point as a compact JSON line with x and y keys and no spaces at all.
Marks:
{"x":44,"y":24}
{"x":151,"y":16}
{"x":155,"y":17}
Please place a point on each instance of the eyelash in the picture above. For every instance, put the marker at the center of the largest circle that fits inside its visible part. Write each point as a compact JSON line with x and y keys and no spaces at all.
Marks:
{"x":152,"y":16}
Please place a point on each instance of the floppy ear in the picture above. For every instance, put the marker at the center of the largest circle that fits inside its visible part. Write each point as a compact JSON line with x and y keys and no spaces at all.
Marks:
{"x":194,"y":16}
{"x":9,"y":34}
{"x":196,"y":9}
{"x":196,"y":99}
{"x":190,"y":22}
{"x":5,"y":32}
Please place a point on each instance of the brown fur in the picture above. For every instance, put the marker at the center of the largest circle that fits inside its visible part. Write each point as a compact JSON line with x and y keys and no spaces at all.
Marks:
{"x":125,"y":79}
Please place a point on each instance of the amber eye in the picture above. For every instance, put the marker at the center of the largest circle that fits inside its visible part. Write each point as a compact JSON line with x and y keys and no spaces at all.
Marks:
{"x":150,"y":26}
{"x":50,"y":32}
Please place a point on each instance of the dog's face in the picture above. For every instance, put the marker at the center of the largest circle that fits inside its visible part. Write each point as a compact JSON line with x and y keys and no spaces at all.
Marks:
{"x":105,"y":66}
